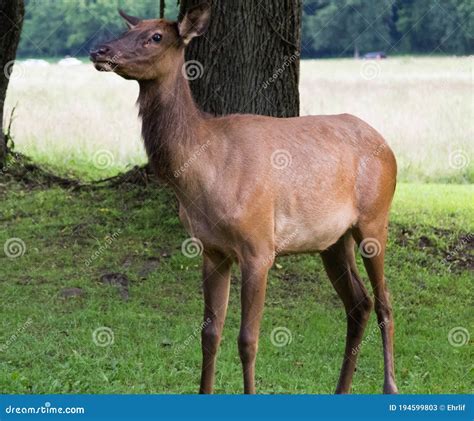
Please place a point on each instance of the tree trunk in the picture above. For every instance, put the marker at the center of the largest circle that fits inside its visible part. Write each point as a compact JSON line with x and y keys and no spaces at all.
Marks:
{"x":11,"y":22}
{"x":249,"y":59}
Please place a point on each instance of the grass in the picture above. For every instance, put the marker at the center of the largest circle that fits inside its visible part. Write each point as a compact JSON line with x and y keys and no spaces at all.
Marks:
{"x":73,"y":237}
{"x":423,"y":106}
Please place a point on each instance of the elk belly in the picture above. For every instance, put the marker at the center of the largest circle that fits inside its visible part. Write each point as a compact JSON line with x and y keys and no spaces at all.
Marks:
{"x":299,"y":233}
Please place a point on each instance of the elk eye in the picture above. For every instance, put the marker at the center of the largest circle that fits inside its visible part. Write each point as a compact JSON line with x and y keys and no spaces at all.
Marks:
{"x":156,"y":38}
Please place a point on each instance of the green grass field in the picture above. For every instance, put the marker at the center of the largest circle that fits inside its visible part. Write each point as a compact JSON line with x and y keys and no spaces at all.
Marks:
{"x":71,"y":239}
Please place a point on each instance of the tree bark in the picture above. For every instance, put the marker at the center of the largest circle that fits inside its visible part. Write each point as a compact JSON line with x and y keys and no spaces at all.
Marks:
{"x":11,"y":21}
{"x":250,"y":57}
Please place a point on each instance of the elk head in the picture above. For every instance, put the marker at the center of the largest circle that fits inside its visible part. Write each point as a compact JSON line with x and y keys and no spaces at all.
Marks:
{"x":151,"y":49}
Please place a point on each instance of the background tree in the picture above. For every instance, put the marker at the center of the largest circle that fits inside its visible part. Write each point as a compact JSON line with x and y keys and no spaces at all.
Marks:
{"x":65,"y":27}
{"x":441,"y":27}
{"x":248,"y":62}
{"x":337,"y":27}
{"x":11,"y":20}
{"x":330,"y":27}
{"x":347,"y":26}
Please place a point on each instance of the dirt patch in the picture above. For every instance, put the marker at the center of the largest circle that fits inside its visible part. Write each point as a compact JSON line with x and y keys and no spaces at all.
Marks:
{"x":144,"y":266}
{"x":22,"y":170}
{"x":66,"y":293}
{"x":461,"y":254}
{"x":403,"y":237}
{"x":149,"y":266}
{"x":119,"y":281}
{"x":424,"y":242}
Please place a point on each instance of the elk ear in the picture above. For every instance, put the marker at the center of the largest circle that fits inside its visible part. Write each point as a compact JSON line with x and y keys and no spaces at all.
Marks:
{"x":131,"y":21}
{"x":195,"y":22}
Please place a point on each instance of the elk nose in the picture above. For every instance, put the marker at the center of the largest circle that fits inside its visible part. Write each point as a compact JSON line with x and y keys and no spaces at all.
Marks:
{"x":102,"y":50}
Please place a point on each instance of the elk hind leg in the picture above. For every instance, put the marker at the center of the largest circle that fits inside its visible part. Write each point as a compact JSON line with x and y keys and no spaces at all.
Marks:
{"x":372,"y":238}
{"x":340,"y":266}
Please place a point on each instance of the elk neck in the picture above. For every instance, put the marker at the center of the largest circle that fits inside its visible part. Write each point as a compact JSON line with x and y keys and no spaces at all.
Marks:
{"x":170,"y":122}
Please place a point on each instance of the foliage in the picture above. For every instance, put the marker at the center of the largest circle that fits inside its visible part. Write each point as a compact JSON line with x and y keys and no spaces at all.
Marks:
{"x":62,"y":27}
{"x":436,"y":26}
{"x":340,"y":27}
{"x":330,"y":28}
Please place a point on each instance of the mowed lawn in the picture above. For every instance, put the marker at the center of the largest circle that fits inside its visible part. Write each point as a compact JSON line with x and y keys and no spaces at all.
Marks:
{"x":149,"y":343}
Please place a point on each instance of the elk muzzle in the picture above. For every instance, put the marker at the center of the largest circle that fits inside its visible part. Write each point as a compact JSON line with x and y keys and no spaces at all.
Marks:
{"x":103,"y":58}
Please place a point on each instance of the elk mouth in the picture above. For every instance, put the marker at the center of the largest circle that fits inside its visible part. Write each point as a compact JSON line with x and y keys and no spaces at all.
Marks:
{"x":104,"y":65}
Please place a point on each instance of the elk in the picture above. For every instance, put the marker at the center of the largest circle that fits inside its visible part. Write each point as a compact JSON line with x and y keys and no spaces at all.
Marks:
{"x":261,"y":186}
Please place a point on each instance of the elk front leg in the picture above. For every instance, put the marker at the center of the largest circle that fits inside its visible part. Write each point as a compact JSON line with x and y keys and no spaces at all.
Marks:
{"x":254,"y":281}
{"x":216,"y":282}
